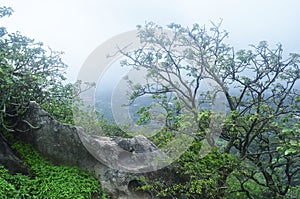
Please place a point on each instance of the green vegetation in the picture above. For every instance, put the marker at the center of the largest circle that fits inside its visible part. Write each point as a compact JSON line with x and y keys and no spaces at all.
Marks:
{"x":195,"y":175}
{"x":31,"y":72}
{"x":255,"y":145}
{"x":257,"y":154}
{"x":47,"y":180}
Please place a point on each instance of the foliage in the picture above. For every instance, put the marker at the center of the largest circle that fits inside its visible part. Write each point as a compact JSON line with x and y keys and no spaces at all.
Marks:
{"x":112,"y":130}
{"x":30,"y":72}
{"x":199,"y":175}
{"x":7,"y":190}
{"x":48,"y":180}
{"x":261,"y":94}
{"x":94,"y":123}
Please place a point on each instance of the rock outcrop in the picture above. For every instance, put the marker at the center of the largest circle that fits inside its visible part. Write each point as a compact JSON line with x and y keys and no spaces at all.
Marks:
{"x":9,"y":159}
{"x":134,"y":155}
{"x":62,"y":144}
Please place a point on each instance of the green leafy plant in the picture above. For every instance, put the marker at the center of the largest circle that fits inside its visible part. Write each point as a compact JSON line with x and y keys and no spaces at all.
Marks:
{"x":260,"y":89}
{"x":30,"y":71}
{"x":47,"y":180}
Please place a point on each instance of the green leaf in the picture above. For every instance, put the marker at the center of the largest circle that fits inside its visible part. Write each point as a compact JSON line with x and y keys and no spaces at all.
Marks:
{"x":290,"y":151}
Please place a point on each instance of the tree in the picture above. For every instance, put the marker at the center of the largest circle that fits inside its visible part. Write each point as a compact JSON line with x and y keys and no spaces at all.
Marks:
{"x":30,"y":72}
{"x":259,"y":85}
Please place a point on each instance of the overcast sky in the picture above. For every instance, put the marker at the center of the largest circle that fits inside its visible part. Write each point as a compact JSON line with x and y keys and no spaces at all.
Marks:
{"x":77,"y":27}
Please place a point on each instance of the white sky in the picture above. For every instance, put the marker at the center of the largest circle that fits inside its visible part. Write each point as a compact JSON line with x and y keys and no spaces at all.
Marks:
{"x":77,"y":27}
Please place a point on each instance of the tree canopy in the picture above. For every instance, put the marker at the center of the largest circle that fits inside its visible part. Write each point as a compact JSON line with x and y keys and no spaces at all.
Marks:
{"x":259,"y":137}
{"x":30,"y":71}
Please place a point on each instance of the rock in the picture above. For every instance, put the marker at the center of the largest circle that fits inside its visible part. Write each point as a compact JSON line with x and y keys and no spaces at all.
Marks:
{"x":65,"y":144}
{"x":9,"y":159}
{"x":134,"y":155}
{"x":138,"y":144}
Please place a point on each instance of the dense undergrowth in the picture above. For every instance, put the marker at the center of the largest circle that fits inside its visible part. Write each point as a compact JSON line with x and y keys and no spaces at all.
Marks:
{"x":47,"y":180}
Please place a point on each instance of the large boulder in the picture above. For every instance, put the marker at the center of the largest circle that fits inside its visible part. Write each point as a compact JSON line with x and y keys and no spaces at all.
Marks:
{"x":134,"y":155}
{"x":63,"y":144}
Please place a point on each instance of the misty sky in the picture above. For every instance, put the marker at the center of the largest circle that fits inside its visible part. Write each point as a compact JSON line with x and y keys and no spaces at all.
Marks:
{"x":77,"y":27}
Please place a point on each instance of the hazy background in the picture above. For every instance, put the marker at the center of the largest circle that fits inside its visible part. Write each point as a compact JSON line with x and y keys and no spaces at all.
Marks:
{"x":77,"y":27}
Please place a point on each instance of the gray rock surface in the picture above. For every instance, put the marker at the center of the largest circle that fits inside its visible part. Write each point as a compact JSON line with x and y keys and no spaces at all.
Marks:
{"x":62,"y":145}
{"x":134,"y":155}
{"x":9,"y":159}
